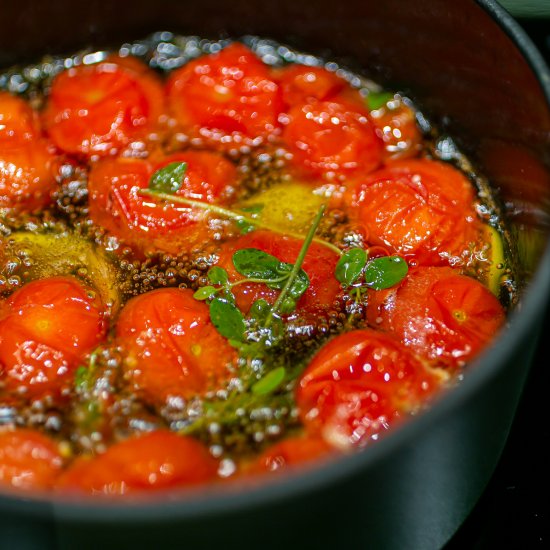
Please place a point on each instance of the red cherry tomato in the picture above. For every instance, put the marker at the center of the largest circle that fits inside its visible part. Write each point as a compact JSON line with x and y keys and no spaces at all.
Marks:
{"x":359,"y":384}
{"x":291,"y":452}
{"x":397,"y":128}
{"x":227,"y":98}
{"x":300,"y":83}
{"x":46,"y":329}
{"x":28,"y":460}
{"x":152,"y":461}
{"x":172,"y":349}
{"x":332,"y":138}
{"x":99,"y":109}
{"x":147,"y":223}
{"x":444,"y":317}
{"x":18,"y":122}
{"x":319,"y":264}
{"x":419,"y":209}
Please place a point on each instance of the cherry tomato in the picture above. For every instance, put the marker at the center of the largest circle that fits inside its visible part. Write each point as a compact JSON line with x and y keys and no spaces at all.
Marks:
{"x":227,"y":98}
{"x":99,"y":109}
{"x":419,"y":209}
{"x":46,"y":329}
{"x":300,"y":83}
{"x":319,"y":264}
{"x":396,"y":126}
{"x":358,"y":385}
{"x":28,"y":460}
{"x":152,"y":461}
{"x":18,"y":122}
{"x":444,"y":317}
{"x":172,"y":349}
{"x":332,"y":138}
{"x":147,"y":223}
{"x":27,"y":175}
{"x":291,"y":452}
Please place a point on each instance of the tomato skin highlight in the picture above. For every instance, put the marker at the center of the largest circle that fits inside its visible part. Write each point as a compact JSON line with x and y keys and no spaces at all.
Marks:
{"x":147,"y":223}
{"x":358,"y":385}
{"x":319,"y":264}
{"x":97,"y":110}
{"x":47,"y":327}
{"x":227,"y":98}
{"x":420,"y":209}
{"x":444,"y":317}
{"x":149,"y":462}
{"x":29,"y":461}
{"x":172,"y":349}
{"x":331,"y":139}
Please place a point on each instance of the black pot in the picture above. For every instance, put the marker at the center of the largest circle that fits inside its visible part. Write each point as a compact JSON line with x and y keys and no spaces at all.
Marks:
{"x":477,"y":75}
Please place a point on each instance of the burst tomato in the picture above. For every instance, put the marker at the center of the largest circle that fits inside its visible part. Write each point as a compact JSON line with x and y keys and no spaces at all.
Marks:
{"x":331,"y":138}
{"x":291,"y":452}
{"x":28,"y":460}
{"x":144,"y":222}
{"x":444,"y":317}
{"x":46,"y":328}
{"x":152,"y":461}
{"x":99,"y":109}
{"x":420,"y":209}
{"x":172,"y":350}
{"x":358,"y":385}
{"x":227,"y":98}
{"x":319,"y":264}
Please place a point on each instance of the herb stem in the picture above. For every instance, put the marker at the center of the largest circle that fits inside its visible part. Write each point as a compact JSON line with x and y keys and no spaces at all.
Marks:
{"x":297,"y":265}
{"x":231,"y":214}
{"x":258,"y":280}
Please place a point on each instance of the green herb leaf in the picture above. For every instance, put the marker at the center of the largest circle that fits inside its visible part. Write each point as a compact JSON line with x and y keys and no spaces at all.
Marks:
{"x":253,"y":208}
{"x":270,"y":382}
{"x":350,"y":266}
{"x":217,"y":275}
{"x":376,"y":100}
{"x":385,"y":272}
{"x":256,"y":264}
{"x":81,"y":378}
{"x":259,"y":311}
{"x":288,"y":305}
{"x":299,"y":285}
{"x":227,"y":319}
{"x":168,"y":179}
{"x":205,"y":292}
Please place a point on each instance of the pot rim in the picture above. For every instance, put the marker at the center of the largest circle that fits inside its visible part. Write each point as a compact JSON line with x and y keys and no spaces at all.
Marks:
{"x":217,"y":498}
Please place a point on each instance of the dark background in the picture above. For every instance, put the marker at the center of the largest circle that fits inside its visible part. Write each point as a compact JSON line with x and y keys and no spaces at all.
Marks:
{"x":514,"y":511}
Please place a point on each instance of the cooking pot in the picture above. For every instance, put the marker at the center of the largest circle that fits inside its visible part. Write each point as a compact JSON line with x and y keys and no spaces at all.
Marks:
{"x":476,"y":74}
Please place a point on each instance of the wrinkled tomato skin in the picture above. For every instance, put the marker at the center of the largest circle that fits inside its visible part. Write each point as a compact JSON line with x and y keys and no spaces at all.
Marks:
{"x":358,"y":385}
{"x":300,"y":83}
{"x":319,"y":264}
{"x":47,"y":328}
{"x":331,"y":139}
{"x":150,"y":462}
{"x":171,"y":348}
{"x":419,"y":209}
{"x":148,"y":223}
{"x":97,"y":110}
{"x":29,"y":461}
{"x":291,"y":452}
{"x":444,"y":317}
{"x":227,"y":98}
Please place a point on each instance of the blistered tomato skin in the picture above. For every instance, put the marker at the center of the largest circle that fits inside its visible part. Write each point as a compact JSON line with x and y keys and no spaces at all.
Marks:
{"x":290,"y":453}
{"x":358,"y":385}
{"x":319,"y":264}
{"x":29,"y":460}
{"x":419,"y":209}
{"x":227,"y":99}
{"x":46,"y":330}
{"x":97,"y":110}
{"x":331,"y":139}
{"x":444,"y":317}
{"x":148,"y":223}
{"x":153,"y":461}
{"x":171,"y":348}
